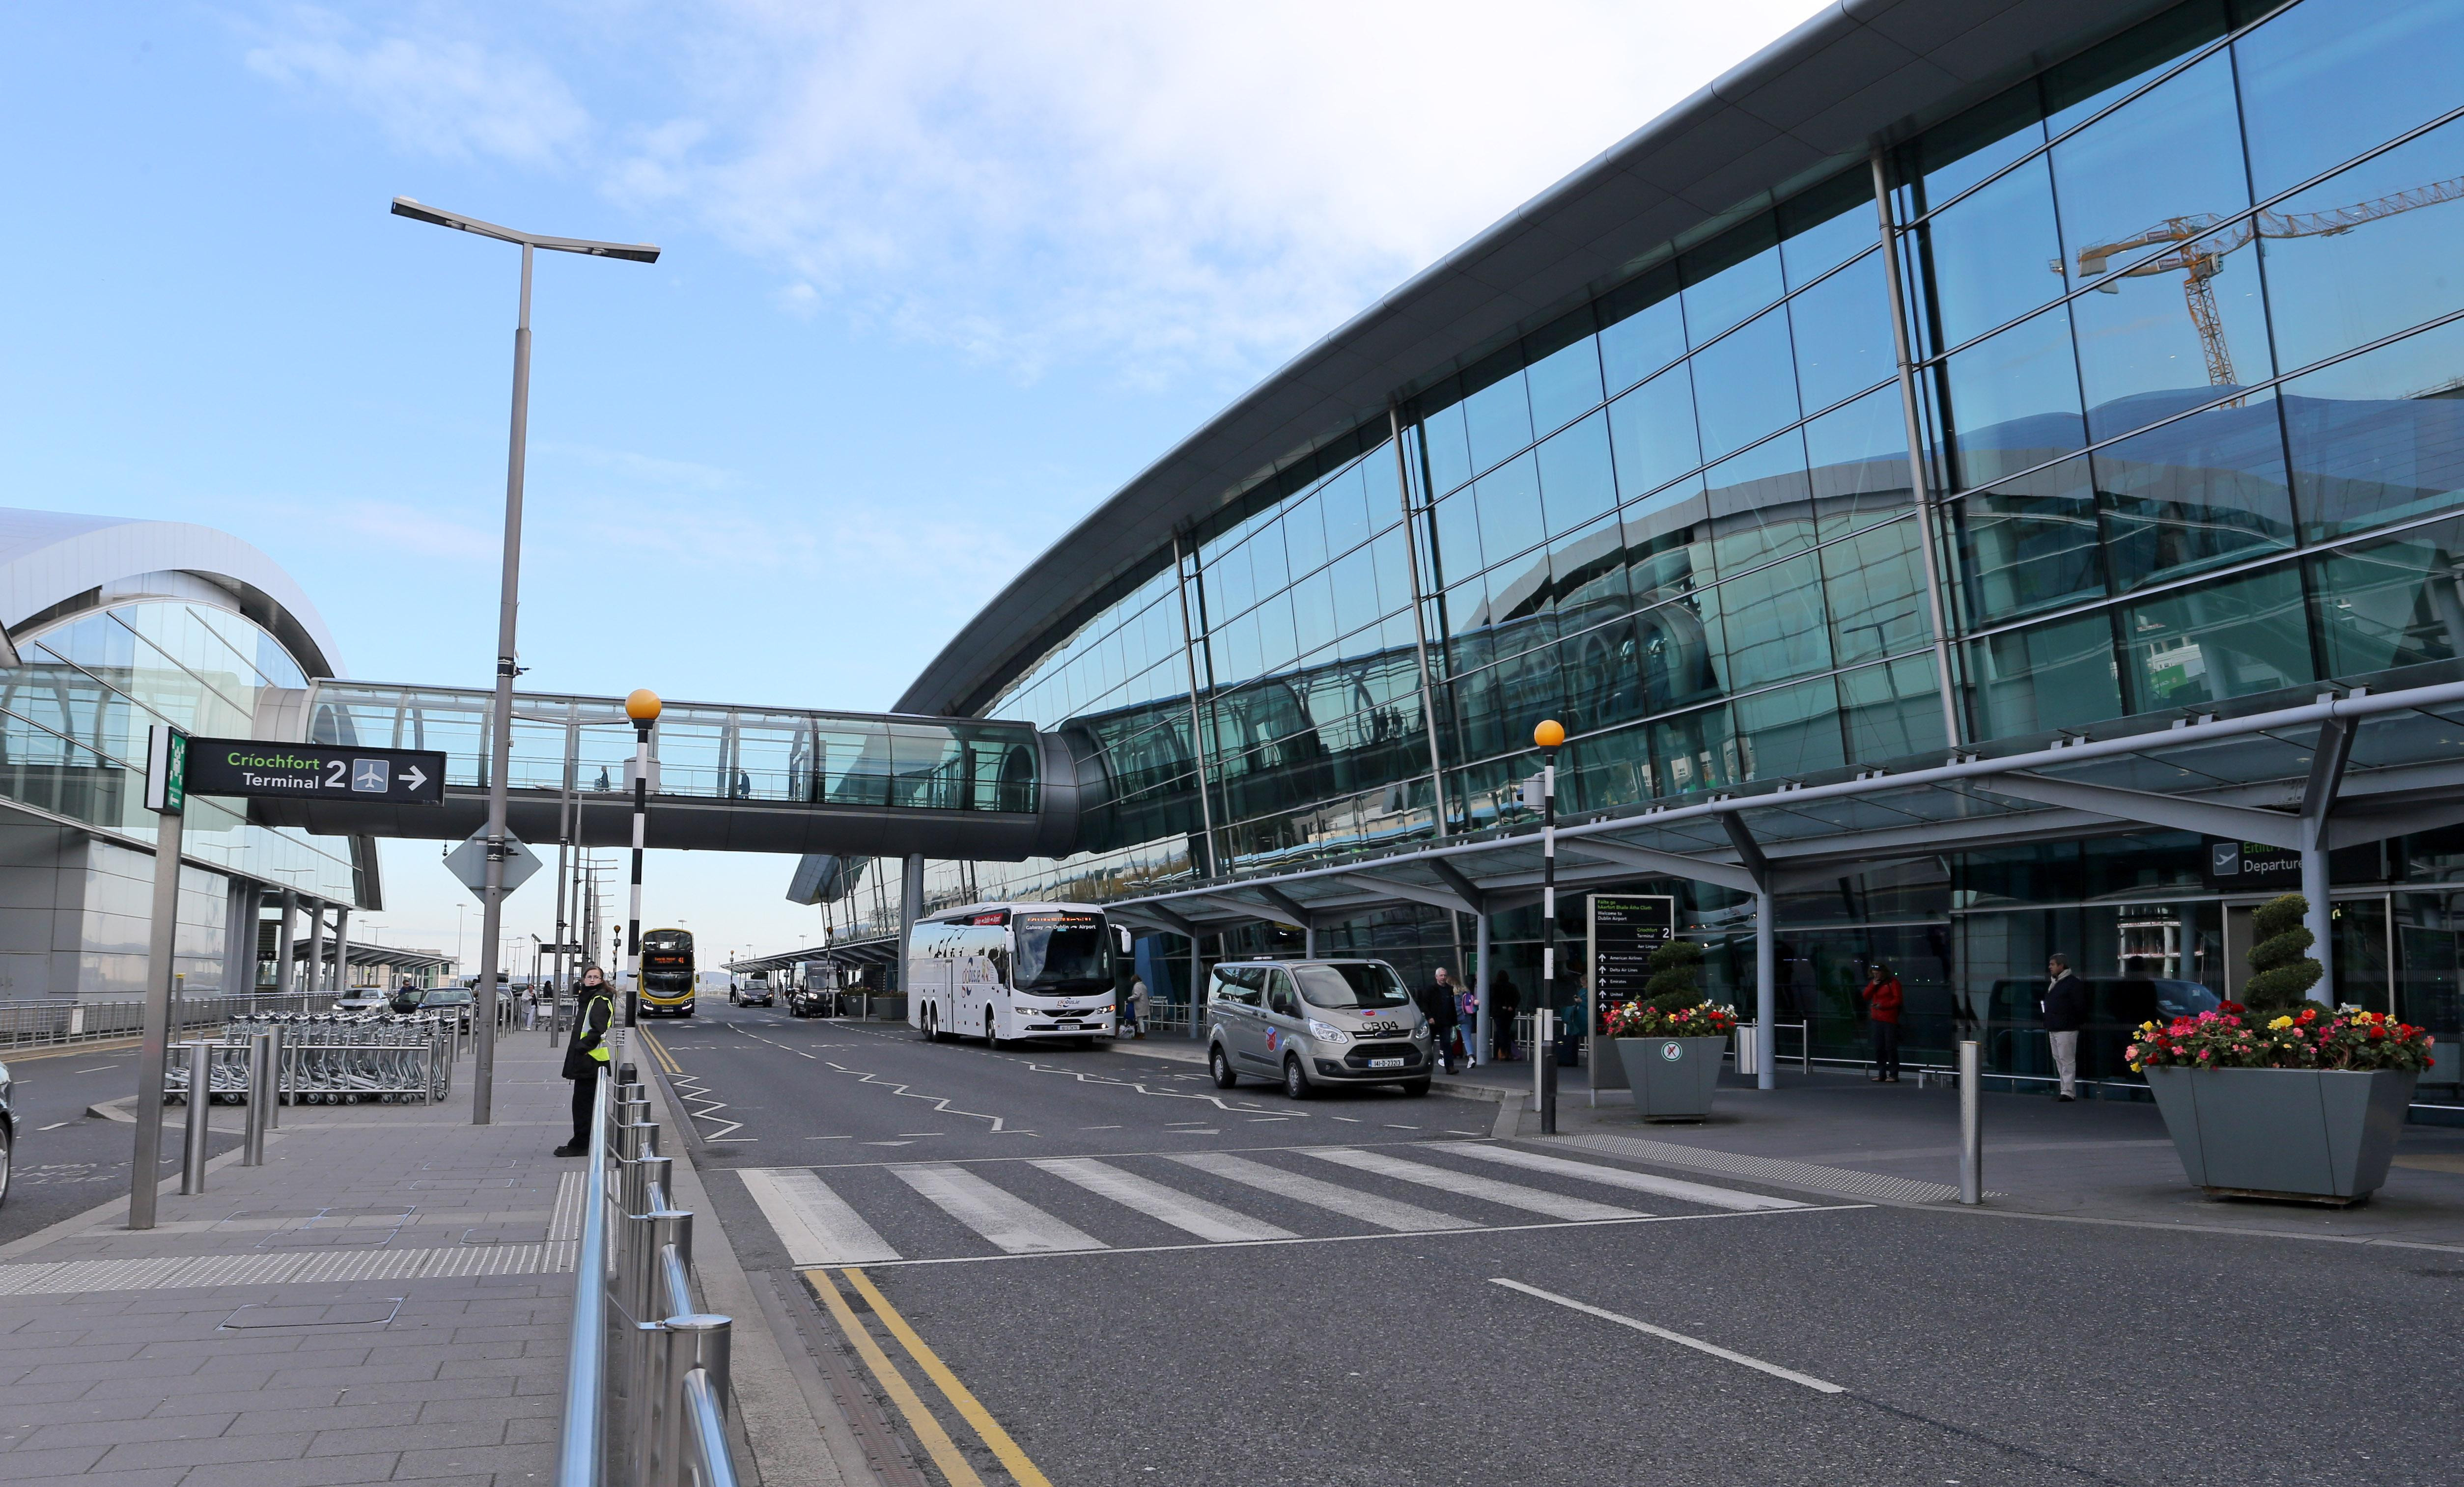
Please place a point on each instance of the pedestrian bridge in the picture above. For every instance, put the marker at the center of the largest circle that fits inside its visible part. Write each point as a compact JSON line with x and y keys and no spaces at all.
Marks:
{"x":728,"y":777}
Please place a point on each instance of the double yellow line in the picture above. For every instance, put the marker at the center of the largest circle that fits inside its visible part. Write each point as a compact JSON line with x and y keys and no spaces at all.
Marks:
{"x":659,"y":1051}
{"x":937,"y":1443}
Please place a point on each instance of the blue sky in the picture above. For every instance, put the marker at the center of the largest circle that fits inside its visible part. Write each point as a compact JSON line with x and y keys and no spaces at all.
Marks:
{"x":936,"y":279}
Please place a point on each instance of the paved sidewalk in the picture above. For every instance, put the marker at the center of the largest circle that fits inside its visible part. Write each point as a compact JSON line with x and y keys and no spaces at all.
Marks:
{"x":1837,"y":1133}
{"x":385,"y":1299}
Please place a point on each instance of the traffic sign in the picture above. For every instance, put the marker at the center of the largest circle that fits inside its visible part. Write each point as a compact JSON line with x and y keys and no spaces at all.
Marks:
{"x":468,"y":863}
{"x":327,"y":771}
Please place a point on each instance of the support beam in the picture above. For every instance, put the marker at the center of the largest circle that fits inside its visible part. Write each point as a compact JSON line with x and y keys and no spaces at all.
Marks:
{"x":2327,"y":761}
{"x":1294,"y":912}
{"x":2239,"y":822}
{"x":1766,"y":989}
{"x":1413,"y":893}
{"x":1484,"y":1046}
{"x":1456,"y":879}
{"x":1673,"y":865}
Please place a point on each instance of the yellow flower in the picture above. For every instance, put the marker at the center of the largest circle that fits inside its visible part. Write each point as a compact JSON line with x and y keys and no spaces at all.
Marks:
{"x":2280,"y":1022}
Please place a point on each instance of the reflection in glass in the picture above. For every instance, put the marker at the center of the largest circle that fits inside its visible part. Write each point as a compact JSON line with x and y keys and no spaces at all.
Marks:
{"x":1343,"y":504}
{"x":2059,"y":674}
{"x":2397,"y":602}
{"x":1643,"y":329}
{"x":1842,"y":329}
{"x":1790,"y":731}
{"x":2075,"y":90}
{"x":1457,"y":535}
{"x":1446,"y":450}
{"x":1892,"y":711}
{"x":1761,"y":505}
{"x":1771,"y":625}
{"x":1576,"y":476}
{"x":2225,"y":640}
{"x":2026,"y":545}
{"x":2368,"y":252}
{"x":1693,"y":752}
{"x":2380,"y":436}
{"x":1994,"y":256}
{"x":1652,"y":431}
{"x":1875,"y":587}
{"x":1952,"y":157}
{"x":1730,"y":278}
{"x":1498,"y":416}
{"x":1828,"y":224}
{"x":2015,"y":400}
{"x":1744,"y":386}
{"x":2326,"y":80}
{"x":2195,"y":492}
{"x":1511,"y":518}
{"x":1859,"y":459}
{"x":1667,"y":547}
{"x":1564,"y":376}
{"x":2151,"y":173}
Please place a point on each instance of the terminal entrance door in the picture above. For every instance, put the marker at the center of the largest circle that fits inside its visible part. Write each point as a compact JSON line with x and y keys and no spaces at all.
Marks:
{"x":2364,"y":971}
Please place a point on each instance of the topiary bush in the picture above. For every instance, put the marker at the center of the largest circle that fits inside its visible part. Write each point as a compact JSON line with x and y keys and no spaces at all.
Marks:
{"x":2282,"y":974}
{"x":1676,"y":976}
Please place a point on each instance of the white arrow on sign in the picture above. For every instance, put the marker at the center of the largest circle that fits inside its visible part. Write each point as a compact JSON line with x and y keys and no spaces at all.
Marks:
{"x":469,"y":863}
{"x":414,"y":777}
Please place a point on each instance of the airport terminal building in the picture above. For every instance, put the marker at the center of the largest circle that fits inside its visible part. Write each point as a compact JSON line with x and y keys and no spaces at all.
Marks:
{"x":1946,"y":386}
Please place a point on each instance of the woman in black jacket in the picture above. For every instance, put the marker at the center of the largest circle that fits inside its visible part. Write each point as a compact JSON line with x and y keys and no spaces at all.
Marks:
{"x":585,"y":1057}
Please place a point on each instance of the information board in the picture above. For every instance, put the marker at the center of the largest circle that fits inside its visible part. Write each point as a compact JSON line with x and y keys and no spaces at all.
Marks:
{"x":331,"y":772}
{"x":1621,"y":931}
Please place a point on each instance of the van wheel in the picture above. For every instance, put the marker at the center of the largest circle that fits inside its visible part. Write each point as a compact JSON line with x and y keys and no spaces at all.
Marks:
{"x":1222,"y":1068}
{"x":1416,"y":1087}
{"x":1296,"y":1084}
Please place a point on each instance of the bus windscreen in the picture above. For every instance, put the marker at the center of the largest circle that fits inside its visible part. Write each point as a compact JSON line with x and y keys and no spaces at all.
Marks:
{"x":1062,"y":953}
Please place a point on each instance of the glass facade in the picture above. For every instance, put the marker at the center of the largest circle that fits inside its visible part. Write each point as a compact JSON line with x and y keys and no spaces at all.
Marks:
{"x":73,"y":720}
{"x":2186,"y":340}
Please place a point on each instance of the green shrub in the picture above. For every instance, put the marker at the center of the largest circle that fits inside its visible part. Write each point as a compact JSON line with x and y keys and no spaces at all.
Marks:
{"x":1676,"y":976}
{"x":2282,"y":974}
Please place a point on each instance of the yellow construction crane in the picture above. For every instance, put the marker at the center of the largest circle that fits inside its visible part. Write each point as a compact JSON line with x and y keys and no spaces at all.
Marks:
{"x":2201,"y":248}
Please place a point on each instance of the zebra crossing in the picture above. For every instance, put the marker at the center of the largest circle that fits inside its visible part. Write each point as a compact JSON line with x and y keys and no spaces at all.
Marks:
{"x":927,"y":1212}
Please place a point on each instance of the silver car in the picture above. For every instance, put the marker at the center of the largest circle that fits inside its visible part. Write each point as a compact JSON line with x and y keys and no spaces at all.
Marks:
{"x":1315,"y":1024}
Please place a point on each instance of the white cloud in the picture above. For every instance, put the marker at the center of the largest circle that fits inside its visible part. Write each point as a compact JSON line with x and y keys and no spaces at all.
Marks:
{"x":1158,"y":189}
{"x":432,"y":92}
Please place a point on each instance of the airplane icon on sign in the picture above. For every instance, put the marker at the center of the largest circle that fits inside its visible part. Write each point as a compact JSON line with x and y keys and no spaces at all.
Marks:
{"x":372,"y":777}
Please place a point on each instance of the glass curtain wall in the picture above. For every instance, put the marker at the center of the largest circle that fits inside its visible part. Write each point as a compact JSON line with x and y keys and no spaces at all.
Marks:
{"x":73,"y":720}
{"x":2190,"y":372}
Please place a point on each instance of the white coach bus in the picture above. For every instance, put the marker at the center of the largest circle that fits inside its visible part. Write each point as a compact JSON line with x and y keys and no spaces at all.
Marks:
{"x":1034,"y":971}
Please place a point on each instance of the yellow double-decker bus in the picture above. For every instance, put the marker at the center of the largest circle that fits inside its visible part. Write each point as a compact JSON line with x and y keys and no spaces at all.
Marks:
{"x":668,"y":973}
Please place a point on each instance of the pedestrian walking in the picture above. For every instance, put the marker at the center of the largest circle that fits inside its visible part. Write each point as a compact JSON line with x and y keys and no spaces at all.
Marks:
{"x":1883,"y":997}
{"x":530,"y":1008}
{"x":1437,"y":1002}
{"x":1505,"y":1004}
{"x":1134,"y":1024}
{"x":2063,"y":1010}
{"x":1467,"y":1030}
{"x":585,"y":1057}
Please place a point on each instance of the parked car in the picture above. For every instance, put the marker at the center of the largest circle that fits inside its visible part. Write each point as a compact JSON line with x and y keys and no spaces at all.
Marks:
{"x":362,"y":999}
{"x":1317,"y":1023}
{"x":2117,"y":1006}
{"x":811,"y":1001}
{"x":754,"y":991}
{"x":439,"y":999}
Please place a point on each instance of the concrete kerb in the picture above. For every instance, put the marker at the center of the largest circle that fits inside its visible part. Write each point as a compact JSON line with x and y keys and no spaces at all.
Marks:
{"x":103,"y":1213}
{"x":789,"y":1444}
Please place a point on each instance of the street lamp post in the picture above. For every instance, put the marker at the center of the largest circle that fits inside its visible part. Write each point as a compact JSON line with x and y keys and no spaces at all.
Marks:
{"x":1543,"y":1045}
{"x":642,"y":707}
{"x":501,"y":717}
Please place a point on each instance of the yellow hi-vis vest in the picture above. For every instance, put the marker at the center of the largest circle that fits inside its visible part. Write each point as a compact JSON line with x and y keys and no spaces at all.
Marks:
{"x":599,"y":1052}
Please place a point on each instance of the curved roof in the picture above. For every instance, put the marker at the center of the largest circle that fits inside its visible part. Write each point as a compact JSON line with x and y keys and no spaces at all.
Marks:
{"x":49,"y":559}
{"x":1859,"y":72}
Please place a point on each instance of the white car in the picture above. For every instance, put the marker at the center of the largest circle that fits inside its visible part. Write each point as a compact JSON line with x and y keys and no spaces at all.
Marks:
{"x":361,"y":1002}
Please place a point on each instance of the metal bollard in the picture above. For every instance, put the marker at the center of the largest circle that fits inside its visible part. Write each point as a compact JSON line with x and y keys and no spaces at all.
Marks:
{"x":260,"y":1097}
{"x":1971,"y":1128}
{"x":201,"y":1099}
{"x":686,"y":1341}
{"x":636,"y":1179}
{"x":1543,"y":1058}
{"x":280,"y":1039}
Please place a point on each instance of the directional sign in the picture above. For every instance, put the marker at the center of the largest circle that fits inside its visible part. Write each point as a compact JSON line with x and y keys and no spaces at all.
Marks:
{"x":468,"y":863}
{"x":1624,"y":928}
{"x":167,"y":770}
{"x":319,"y":772}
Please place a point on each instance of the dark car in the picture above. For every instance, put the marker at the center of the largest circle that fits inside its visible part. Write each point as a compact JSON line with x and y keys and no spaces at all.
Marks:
{"x":809,"y":1002}
{"x":754,"y":991}
{"x":2117,"y":1006}
{"x":460,"y":1000}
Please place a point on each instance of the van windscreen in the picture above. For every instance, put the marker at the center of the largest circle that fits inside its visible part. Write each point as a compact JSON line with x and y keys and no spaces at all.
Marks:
{"x":1352,"y":986}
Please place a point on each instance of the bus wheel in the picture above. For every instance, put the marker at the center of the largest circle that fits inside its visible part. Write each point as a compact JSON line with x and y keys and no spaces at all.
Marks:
{"x":992,"y":1030}
{"x":923,"y":1024}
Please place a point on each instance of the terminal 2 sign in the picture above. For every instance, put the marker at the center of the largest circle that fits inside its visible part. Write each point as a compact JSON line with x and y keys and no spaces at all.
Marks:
{"x":330,"y":772}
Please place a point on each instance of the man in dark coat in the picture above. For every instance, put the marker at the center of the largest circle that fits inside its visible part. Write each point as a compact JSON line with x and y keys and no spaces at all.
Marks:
{"x":586,"y":1056}
{"x":1505,"y":1005}
{"x":1437,"y":1002}
{"x":2064,"y":1010}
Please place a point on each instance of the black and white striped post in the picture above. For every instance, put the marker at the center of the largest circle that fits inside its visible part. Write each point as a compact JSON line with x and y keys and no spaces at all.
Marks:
{"x":1545,"y":1032}
{"x":642,"y":707}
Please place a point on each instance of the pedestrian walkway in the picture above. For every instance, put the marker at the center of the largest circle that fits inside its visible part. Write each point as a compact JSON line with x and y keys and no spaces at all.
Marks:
{"x":952,"y":1211}
{"x":384,"y":1300}
{"x":1833,"y":1136}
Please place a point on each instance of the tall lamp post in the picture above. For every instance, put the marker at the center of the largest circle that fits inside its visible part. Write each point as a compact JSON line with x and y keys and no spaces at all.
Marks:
{"x":501,"y":716}
{"x":642,"y":706}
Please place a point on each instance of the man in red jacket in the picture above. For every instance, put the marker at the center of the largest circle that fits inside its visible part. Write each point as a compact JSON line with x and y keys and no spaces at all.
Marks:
{"x":1881,"y":998}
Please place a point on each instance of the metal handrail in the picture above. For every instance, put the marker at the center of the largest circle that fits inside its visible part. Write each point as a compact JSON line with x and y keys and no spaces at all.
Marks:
{"x":707,"y":1462}
{"x":585,"y":1369}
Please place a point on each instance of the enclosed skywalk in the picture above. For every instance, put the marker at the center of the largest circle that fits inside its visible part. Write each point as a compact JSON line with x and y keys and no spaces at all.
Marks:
{"x":728,"y":779}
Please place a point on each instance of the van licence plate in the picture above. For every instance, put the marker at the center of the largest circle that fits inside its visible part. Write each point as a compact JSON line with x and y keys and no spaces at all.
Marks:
{"x":1385,"y":1063}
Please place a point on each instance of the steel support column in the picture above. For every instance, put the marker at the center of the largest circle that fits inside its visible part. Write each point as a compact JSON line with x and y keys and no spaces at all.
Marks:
{"x":1196,"y":726}
{"x":284,"y":942}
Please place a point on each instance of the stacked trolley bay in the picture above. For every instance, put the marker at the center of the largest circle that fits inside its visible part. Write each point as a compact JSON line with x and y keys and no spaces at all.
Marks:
{"x":332,"y":1058}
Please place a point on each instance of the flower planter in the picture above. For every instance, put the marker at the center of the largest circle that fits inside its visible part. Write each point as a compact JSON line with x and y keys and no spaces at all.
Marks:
{"x":1672,"y":1078}
{"x":2300,"y":1135}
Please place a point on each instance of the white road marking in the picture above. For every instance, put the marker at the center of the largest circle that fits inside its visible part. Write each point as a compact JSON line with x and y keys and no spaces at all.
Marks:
{"x":96,"y":1069}
{"x":1808,"y":1380}
{"x":1193,"y":1214}
{"x":1464,"y":1185}
{"x":1005,"y":1219}
{"x":1207,"y":1130}
{"x":1633,"y":1182}
{"x":55,"y":1125}
{"x":1368,"y":1208}
{"x":815,"y":1224}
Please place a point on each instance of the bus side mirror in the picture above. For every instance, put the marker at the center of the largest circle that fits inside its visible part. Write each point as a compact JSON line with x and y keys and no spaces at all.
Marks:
{"x":1123,"y":932}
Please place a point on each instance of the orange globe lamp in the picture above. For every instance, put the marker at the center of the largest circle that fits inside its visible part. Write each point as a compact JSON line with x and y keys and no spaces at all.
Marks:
{"x":642,"y":704}
{"x":1549,"y":733}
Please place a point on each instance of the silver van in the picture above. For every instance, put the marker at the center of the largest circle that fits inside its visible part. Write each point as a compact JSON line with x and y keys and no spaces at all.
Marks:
{"x":1313,"y":1023}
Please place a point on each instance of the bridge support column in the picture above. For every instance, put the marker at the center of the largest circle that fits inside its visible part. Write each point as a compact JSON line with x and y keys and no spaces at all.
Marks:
{"x":312,"y":981}
{"x":284,"y":942}
{"x":910,"y":901}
